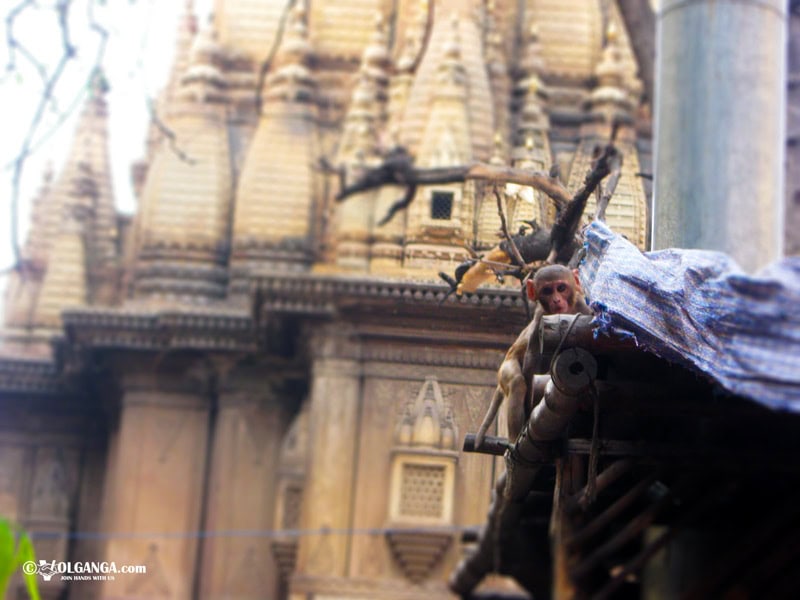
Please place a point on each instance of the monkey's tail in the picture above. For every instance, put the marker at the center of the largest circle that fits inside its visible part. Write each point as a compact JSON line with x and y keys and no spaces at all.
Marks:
{"x":494,"y":406}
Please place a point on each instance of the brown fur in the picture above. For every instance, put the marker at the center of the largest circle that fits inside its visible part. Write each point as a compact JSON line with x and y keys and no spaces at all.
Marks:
{"x":511,"y":384}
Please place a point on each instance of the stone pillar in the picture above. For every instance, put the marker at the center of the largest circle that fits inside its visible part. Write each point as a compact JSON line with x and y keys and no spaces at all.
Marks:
{"x":720,"y":127}
{"x":242,"y":490}
{"x":333,"y":433}
{"x":155,"y":483}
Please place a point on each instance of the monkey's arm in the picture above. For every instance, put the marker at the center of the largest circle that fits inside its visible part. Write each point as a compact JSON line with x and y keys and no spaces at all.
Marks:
{"x":510,"y":385}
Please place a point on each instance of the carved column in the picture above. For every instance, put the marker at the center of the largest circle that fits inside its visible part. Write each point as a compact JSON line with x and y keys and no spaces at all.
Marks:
{"x":155,"y":480}
{"x":333,"y":429}
{"x":40,"y":476}
{"x":241,"y":490}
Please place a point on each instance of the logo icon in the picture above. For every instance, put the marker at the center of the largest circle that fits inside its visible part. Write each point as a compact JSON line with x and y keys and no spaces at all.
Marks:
{"x":46,"y":570}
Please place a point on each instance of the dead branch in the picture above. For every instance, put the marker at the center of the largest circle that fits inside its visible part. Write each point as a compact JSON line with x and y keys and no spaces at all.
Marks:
{"x":398,"y":169}
{"x":273,"y":51}
{"x":544,"y":182}
{"x":504,"y":225}
{"x":615,"y":165}
{"x":168,"y":134}
{"x":426,"y":37}
{"x":566,"y":225}
{"x":32,"y":139}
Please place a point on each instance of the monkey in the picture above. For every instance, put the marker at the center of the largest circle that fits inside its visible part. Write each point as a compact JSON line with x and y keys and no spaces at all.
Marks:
{"x":533,"y":246}
{"x":556,"y":290}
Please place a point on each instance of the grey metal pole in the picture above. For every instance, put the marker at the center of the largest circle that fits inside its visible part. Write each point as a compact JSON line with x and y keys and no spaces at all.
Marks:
{"x":720,"y":127}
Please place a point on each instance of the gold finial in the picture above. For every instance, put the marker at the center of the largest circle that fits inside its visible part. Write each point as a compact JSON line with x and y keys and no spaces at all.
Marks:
{"x":612,"y":33}
{"x":533,"y":30}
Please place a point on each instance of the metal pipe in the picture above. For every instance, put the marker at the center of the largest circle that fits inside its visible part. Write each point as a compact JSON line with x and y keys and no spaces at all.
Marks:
{"x":572,"y":373}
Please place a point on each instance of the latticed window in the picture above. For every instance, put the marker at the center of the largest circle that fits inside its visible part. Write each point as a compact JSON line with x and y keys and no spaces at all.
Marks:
{"x":292,"y":500}
{"x":442,"y":206}
{"x":422,"y":490}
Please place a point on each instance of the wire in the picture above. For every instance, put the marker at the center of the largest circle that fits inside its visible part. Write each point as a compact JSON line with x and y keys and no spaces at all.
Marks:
{"x":249,"y":533}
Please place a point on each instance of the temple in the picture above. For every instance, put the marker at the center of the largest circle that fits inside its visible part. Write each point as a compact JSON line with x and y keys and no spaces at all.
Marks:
{"x":257,"y":391}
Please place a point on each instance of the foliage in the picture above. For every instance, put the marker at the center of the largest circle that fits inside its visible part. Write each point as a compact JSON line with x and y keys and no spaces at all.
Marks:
{"x":16,"y":549}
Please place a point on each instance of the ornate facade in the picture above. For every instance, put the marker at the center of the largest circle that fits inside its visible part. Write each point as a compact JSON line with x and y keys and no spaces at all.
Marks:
{"x":249,"y":388}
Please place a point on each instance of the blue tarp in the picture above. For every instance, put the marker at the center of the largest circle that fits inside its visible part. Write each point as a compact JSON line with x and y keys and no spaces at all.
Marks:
{"x":697,"y":308}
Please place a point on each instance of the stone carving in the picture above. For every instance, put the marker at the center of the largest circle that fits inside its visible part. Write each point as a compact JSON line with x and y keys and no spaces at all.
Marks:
{"x":248,"y":579}
{"x":427,"y":421}
{"x":53,"y":485}
{"x":321,"y":562}
{"x":259,"y":420}
{"x":167,"y":431}
{"x":294,"y":447}
{"x":10,"y":462}
{"x":476,"y":401}
{"x":418,"y":552}
{"x":152,"y":584}
{"x":285,"y":554}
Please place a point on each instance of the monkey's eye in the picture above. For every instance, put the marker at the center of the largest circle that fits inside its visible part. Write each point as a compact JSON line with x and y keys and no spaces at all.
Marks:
{"x":546,"y":291}
{"x":562,"y":287}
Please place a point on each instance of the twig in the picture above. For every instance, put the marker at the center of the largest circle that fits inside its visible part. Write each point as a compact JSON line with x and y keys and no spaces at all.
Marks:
{"x":610,"y":187}
{"x":504,"y":224}
{"x":265,"y":66}
{"x":169,"y":134}
{"x":19,"y":163}
{"x":425,"y":38}
{"x":539,"y":180}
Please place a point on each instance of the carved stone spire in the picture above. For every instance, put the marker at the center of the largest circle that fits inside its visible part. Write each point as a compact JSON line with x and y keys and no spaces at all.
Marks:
{"x":359,"y":147}
{"x":367,"y":110}
{"x":182,"y":229}
{"x":70,"y":256}
{"x":497,"y":66}
{"x":436,"y":64}
{"x":611,"y":100}
{"x":276,"y":195}
{"x":436,"y":221}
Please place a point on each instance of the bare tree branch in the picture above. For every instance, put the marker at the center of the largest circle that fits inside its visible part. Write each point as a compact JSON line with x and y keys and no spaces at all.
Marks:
{"x":169,"y":134}
{"x":276,"y":43}
{"x":504,"y":226}
{"x":50,"y":80}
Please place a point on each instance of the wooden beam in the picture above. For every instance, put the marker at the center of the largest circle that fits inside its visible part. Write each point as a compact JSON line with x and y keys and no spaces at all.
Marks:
{"x":599,"y":523}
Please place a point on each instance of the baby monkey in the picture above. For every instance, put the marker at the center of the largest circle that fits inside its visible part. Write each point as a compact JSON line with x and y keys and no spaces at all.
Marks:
{"x":556,"y":290}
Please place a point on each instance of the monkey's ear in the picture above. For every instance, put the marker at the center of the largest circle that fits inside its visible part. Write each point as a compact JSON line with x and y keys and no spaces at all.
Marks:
{"x":531,"y":290}
{"x":577,"y":280}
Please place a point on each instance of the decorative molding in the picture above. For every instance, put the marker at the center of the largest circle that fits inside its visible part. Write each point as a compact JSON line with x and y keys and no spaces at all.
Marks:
{"x":314,"y":293}
{"x":427,"y":355}
{"x":219,"y":329}
{"x":386,"y":589}
{"x":418,"y":552}
{"x":25,"y":376}
{"x":427,"y":420}
{"x":285,"y":554}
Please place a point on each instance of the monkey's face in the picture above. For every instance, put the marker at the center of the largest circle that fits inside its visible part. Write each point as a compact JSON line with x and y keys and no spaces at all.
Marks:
{"x":557,"y":296}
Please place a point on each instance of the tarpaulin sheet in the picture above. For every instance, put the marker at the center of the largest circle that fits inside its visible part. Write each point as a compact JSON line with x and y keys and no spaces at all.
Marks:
{"x":697,"y":308}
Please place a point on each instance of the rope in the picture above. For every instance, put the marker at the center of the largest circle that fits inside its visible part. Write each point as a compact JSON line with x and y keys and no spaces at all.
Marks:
{"x":594,"y":452}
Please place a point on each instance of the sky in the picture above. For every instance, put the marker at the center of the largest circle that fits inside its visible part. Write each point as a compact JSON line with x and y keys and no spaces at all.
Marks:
{"x":136,"y":63}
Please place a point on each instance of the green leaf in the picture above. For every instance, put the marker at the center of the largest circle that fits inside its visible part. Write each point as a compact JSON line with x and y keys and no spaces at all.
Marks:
{"x":6,"y":555}
{"x":25,"y":554}
{"x":16,"y":549}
